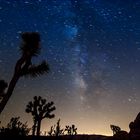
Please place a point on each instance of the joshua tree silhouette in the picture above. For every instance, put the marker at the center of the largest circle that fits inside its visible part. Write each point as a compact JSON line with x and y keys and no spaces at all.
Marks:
{"x":71,"y":130}
{"x":30,"y":47}
{"x":39,"y":110}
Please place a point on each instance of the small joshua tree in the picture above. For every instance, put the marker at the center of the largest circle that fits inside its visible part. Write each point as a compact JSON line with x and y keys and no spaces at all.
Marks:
{"x":40,"y":110}
{"x":115,"y":129}
{"x":71,"y":130}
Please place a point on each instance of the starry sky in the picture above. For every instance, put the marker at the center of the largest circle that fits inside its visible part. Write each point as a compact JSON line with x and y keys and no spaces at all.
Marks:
{"x":93,"y":49}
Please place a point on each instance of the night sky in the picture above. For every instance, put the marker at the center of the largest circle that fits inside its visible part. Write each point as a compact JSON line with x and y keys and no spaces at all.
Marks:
{"x":93,"y":49}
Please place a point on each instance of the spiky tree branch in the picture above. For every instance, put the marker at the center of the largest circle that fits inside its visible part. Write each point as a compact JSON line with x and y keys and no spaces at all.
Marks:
{"x":30,"y":47}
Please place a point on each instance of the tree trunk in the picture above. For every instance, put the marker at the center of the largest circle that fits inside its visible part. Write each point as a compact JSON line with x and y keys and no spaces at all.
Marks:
{"x":38,"y":128}
{"x":34,"y":128}
{"x":13,"y":82}
{"x":9,"y":92}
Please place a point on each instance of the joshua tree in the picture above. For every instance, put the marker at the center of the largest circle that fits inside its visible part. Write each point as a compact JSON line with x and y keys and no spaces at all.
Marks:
{"x":40,"y":110}
{"x":30,"y":47}
{"x":71,"y":130}
{"x":115,"y":129}
{"x":15,"y":128}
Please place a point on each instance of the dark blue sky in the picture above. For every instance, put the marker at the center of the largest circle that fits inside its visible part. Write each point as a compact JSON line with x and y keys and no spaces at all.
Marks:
{"x":93,"y":48}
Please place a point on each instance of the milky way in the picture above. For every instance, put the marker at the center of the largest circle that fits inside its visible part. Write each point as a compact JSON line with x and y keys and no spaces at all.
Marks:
{"x":93,"y":49}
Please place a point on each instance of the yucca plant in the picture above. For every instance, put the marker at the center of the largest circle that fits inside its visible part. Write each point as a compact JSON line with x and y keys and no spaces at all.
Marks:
{"x":29,"y":48}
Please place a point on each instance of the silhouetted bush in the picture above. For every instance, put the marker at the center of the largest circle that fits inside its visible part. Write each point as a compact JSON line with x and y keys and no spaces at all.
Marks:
{"x":56,"y":130}
{"x":15,"y":128}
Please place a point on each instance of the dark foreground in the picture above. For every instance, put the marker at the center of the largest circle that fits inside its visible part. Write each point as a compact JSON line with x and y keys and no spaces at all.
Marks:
{"x":76,"y":137}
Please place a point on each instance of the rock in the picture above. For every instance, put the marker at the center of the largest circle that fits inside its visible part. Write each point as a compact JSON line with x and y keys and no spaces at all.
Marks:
{"x":121,"y":135}
{"x":135,"y":129}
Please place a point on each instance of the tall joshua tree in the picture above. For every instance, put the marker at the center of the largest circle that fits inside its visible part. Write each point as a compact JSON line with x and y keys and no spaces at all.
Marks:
{"x":40,"y":110}
{"x":30,"y":47}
